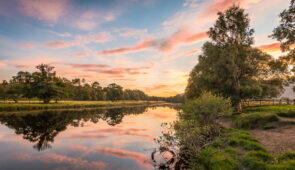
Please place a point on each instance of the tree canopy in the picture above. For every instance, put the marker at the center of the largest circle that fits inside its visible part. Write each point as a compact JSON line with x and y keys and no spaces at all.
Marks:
{"x":231,"y":67}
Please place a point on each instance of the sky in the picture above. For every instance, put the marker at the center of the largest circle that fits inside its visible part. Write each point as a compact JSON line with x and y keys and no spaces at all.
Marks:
{"x":150,"y":45}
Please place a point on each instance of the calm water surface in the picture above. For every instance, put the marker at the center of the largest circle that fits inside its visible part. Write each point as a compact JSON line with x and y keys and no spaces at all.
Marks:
{"x":117,"y":138}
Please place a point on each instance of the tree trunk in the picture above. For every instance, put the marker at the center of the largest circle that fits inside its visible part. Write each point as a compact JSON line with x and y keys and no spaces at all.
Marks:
{"x":15,"y":100}
{"x":56,"y":100}
{"x":46,"y":101}
{"x":238,"y":107}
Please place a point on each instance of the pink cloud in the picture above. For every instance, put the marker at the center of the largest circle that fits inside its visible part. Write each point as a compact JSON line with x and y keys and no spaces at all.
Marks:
{"x":80,"y":40}
{"x":2,"y":64}
{"x":274,"y":47}
{"x":120,"y":153}
{"x":182,"y":37}
{"x":164,"y":45}
{"x":143,"y":45}
{"x":75,"y":163}
{"x":43,"y":9}
{"x":128,"y":32}
{"x":120,"y":131}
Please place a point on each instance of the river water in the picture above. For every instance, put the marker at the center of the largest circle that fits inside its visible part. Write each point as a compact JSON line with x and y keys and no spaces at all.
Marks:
{"x":113,"y":138}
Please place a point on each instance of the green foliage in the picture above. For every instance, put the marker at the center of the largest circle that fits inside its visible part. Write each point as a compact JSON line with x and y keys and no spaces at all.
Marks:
{"x":286,"y":30}
{"x":231,"y":67}
{"x":252,"y":120}
{"x":114,"y":92}
{"x":206,"y":108}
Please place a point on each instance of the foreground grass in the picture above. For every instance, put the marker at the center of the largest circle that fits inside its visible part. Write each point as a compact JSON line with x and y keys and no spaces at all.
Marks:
{"x":35,"y":105}
{"x":236,"y":149}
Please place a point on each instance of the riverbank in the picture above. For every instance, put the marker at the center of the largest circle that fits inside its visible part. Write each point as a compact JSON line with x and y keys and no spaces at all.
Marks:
{"x":211,"y":136}
{"x":36,"y":105}
{"x":260,"y":138}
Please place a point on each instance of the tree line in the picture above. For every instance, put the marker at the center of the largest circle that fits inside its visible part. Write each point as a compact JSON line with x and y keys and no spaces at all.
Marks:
{"x":45,"y":85}
{"x":231,"y":67}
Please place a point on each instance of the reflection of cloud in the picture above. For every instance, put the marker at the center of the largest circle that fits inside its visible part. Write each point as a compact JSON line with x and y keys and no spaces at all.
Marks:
{"x":74,"y":163}
{"x":119,"y":153}
{"x":120,"y":131}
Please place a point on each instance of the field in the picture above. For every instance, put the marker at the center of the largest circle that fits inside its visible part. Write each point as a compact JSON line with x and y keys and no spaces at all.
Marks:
{"x":37,"y":105}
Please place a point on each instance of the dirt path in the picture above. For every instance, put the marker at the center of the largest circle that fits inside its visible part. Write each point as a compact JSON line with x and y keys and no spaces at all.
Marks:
{"x":276,"y":140}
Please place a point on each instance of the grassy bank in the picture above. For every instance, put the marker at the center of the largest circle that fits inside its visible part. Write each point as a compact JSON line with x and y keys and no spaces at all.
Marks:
{"x":36,"y":105}
{"x":236,"y":149}
{"x":254,"y":117}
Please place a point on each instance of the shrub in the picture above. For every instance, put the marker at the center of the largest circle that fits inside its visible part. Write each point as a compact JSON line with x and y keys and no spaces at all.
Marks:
{"x":206,"y":108}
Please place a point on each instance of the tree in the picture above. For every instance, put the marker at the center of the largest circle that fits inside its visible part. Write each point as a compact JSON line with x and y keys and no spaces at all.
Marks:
{"x":229,"y":66}
{"x":3,"y":90}
{"x":46,"y":85}
{"x":114,"y":92}
{"x":285,"y":34}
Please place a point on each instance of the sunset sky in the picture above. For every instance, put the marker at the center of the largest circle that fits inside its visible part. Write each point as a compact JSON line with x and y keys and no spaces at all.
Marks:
{"x":149,"y":45}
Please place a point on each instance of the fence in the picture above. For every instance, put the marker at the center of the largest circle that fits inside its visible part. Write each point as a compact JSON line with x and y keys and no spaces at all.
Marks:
{"x":265,"y":102}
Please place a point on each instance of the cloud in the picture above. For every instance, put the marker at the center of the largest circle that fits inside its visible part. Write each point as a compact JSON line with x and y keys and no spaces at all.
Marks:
{"x":164,"y":45}
{"x":133,"y":33}
{"x":2,"y":64}
{"x":271,"y":48}
{"x":221,"y":5}
{"x":141,"y":159}
{"x":89,"y":20}
{"x":51,"y":158}
{"x":190,"y":3}
{"x":80,"y":40}
{"x":143,"y":45}
{"x":120,"y":131}
{"x":180,"y":54}
{"x":181,"y":37}
{"x":44,"y":10}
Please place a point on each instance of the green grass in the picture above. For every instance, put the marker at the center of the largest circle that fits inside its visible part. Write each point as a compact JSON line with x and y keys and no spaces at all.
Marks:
{"x":253,"y":120}
{"x":281,"y":108}
{"x":35,"y":105}
{"x":237,"y":149}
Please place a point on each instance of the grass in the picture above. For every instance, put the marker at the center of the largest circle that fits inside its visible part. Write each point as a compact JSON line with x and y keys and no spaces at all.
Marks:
{"x":35,"y":105}
{"x":236,"y":149}
{"x":253,"y":120}
{"x":254,"y":117}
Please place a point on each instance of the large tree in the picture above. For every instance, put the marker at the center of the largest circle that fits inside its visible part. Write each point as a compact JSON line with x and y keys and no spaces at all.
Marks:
{"x":46,"y":85}
{"x":285,"y":34}
{"x":230,"y":66}
{"x":114,"y":92}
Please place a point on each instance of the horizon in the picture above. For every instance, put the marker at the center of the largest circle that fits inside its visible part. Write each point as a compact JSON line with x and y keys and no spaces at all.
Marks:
{"x":150,"y":46}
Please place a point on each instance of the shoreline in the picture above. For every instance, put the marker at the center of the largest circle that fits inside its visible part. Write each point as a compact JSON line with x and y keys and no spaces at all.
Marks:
{"x":25,"y":106}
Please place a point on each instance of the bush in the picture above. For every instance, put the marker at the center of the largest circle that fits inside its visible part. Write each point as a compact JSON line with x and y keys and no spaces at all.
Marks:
{"x":252,"y":120}
{"x":206,"y":108}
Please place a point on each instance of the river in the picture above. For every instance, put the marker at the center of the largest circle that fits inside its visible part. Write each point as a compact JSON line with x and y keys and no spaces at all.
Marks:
{"x":111,"y":138}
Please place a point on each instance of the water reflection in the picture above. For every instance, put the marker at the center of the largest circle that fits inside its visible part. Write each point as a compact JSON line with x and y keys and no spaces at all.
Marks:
{"x":42,"y":128}
{"x":113,"y":138}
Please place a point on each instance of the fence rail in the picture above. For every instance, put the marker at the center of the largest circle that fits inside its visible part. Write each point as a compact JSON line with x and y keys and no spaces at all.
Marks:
{"x":267,"y":102}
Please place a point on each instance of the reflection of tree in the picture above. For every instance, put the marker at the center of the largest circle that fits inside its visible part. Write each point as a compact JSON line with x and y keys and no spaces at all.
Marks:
{"x":42,"y":128}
